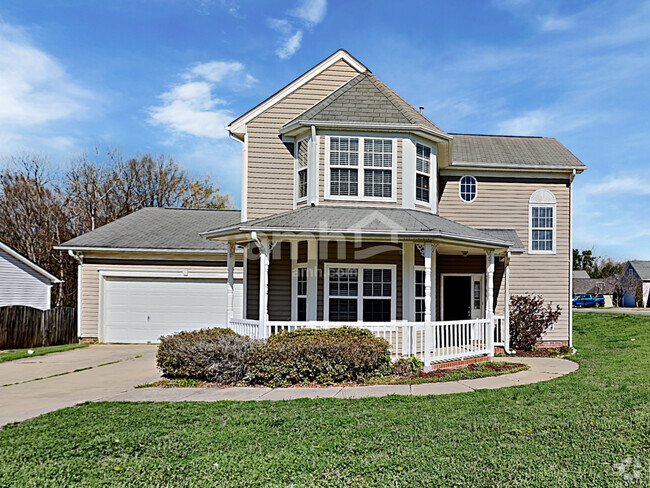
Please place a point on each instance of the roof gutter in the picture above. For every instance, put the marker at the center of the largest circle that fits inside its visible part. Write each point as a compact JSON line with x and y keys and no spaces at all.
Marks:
{"x":366,"y":126}
{"x":138,"y":249}
{"x":535,"y":167}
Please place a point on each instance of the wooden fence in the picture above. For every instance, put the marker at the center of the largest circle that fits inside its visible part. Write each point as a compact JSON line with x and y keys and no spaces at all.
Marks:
{"x":22,"y":326}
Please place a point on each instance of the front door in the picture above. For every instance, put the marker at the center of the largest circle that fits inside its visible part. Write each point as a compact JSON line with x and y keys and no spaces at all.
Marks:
{"x":462,"y":297}
{"x":457,"y":298}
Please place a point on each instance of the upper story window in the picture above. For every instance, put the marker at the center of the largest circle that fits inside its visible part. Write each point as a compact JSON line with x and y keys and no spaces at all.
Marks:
{"x":373,"y":179}
{"x":422,"y":173}
{"x":302,"y":159}
{"x":467,"y":188}
{"x":542,"y":219}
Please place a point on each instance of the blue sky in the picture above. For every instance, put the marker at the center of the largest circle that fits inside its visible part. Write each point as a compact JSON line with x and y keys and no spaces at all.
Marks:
{"x":167,"y":76}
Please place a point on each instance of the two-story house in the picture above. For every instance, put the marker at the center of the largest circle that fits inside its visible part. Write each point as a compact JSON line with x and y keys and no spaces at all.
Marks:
{"x":357,"y":210}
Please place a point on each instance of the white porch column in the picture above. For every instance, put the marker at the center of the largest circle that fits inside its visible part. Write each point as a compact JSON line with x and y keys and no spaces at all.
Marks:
{"x":312,"y":279}
{"x":408,"y":281}
{"x":428,"y":336}
{"x":506,"y":335}
{"x":434,"y":282}
{"x":489,"y":272}
{"x":231,"y":280}
{"x":264,"y":286}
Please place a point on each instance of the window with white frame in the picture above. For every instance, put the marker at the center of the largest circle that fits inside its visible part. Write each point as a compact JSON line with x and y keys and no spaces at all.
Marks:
{"x":419,"y":295}
{"x":344,"y":166}
{"x":467,"y":188}
{"x":373,"y":178}
{"x":542,"y":218}
{"x":302,"y":159}
{"x":422,"y":173}
{"x":360,"y":293}
{"x":377,"y":168}
{"x":301,"y":293}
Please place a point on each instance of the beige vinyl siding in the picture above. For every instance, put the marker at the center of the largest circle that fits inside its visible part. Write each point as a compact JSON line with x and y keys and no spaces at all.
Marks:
{"x":21,"y":285}
{"x":322,"y":165}
{"x":270,"y":161}
{"x":90,"y":286}
{"x":503,"y":203}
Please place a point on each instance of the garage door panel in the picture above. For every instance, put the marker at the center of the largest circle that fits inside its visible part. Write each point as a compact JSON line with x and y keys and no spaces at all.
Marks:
{"x":143,"y":309}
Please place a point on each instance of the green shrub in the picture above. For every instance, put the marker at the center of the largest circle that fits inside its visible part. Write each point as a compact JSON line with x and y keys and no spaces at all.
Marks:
{"x":407,"y":366}
{"x":217,"y":355}
{"x":530,"y":317}
{"x":324,"y":356}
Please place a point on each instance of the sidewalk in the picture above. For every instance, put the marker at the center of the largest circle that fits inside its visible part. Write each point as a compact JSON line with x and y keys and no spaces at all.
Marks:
{"x":541,"y":369}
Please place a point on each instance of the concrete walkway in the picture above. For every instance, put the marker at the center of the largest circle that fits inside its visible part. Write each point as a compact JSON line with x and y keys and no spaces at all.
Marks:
{"x":33,"y":386}
{"x":541,"y":369}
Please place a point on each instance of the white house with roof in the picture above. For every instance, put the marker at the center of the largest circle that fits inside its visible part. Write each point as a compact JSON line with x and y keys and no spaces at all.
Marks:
{"x":22,"y":282}
{"x":640,"y":270}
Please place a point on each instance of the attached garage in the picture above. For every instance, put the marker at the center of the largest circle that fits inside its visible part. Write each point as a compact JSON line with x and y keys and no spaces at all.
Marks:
{"x":141,"y":309}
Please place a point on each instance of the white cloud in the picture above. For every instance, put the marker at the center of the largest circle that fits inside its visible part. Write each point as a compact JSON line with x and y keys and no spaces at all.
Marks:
{"x":311,"y":11}
{"x":547,"y":121}
{"x":190,"y":108}
{"x":551,"y":23}
{"x":34,"y":86}
{"x":308,"y":13}
{"x":626,"y":185}
{"x":290,"y":46}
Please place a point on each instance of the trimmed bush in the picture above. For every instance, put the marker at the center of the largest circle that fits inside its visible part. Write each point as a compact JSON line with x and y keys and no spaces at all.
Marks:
{"x":323,"y":356}
{"x":216,"y":355}
{"x":529,"y":319}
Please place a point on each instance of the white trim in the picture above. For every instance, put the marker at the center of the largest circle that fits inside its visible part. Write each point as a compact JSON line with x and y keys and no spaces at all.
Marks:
{"x":500,"y":173}
{"x":515,"y":167}
{"x":34,"y":267}
{"x":312,"y":279}
{"x":244,"y":311}
{"x":361,"y":168}
{"x":238,"y":125}
{"x":244,"y":181}
{"x":460,"y":195}
{"x":142,"y":249}
{"x":359,"y":297}
{"x":530,"y":227}
{"x":473,"y":277}
{"x":79,"y":297}
{"x":570,"y":297}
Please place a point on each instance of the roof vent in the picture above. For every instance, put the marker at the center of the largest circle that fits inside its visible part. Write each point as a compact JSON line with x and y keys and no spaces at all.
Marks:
{"x":421,"y":109}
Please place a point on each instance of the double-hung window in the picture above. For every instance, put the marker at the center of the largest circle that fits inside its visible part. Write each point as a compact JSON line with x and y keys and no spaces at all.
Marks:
{"x":360,"y":293}
{"x":301,"y":293}
{"x":542,"y":218}
{"x":302,"y":159}
{"x":422,"y":173}
{"x":361,"y":167}
{"x":542,"y":228}
{"x":344,"y":166}
{"x":419,"y":295}
{"x":377,"y":168}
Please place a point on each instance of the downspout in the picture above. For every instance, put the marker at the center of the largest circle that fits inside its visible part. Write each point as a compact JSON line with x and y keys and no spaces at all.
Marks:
{"x":79,"y":258}
{"x":573,"y":175}
{"x":506,"y":339}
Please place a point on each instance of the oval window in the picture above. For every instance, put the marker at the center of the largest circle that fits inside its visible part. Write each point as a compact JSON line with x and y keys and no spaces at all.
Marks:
{"x":467,"y":188}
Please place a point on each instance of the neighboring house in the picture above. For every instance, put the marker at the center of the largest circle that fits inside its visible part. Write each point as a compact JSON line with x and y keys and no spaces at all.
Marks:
{"x":357,"y":209}
{"x":639,"y":270}
{"x":608,"y":287}
{"x":23,"y":282}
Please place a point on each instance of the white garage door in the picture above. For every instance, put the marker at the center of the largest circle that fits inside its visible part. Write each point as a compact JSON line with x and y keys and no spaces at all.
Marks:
{"x":143,"y":309}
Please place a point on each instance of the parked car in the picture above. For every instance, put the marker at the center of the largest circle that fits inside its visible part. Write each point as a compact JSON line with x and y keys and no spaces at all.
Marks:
{"x":588,"y":300}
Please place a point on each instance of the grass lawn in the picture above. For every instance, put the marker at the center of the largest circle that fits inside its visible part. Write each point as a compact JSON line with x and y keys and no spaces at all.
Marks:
{"x":13,"y":354}
{"x":572,"y":431}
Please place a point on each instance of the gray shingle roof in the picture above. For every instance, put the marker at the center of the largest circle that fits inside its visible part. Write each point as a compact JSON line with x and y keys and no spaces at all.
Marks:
{"x":580,"y":274}
{"x":512,"y":151}
{"x":508,"y":235}
{"x":366,"y":220}
{"x":159,"y":228}
{"x":364,"y":99}
{"x":642,"y":268}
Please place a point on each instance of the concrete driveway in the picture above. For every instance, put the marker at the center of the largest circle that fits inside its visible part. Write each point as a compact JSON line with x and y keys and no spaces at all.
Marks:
{"x":33,"y":386}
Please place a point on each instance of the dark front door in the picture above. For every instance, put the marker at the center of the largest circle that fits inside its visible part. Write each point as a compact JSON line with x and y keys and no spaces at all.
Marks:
{"x":457,"y":298}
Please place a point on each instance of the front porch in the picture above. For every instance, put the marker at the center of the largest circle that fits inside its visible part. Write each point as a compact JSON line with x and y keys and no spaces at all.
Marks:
{"x":432,"y":288}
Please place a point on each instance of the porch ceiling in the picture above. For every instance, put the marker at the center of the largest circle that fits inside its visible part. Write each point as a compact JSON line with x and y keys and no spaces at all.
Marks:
{"x":375,"y":223}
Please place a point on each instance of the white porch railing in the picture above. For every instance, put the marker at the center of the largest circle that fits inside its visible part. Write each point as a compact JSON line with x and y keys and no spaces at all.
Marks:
{"x":433,"y":343}
{"x":499,"y":330}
